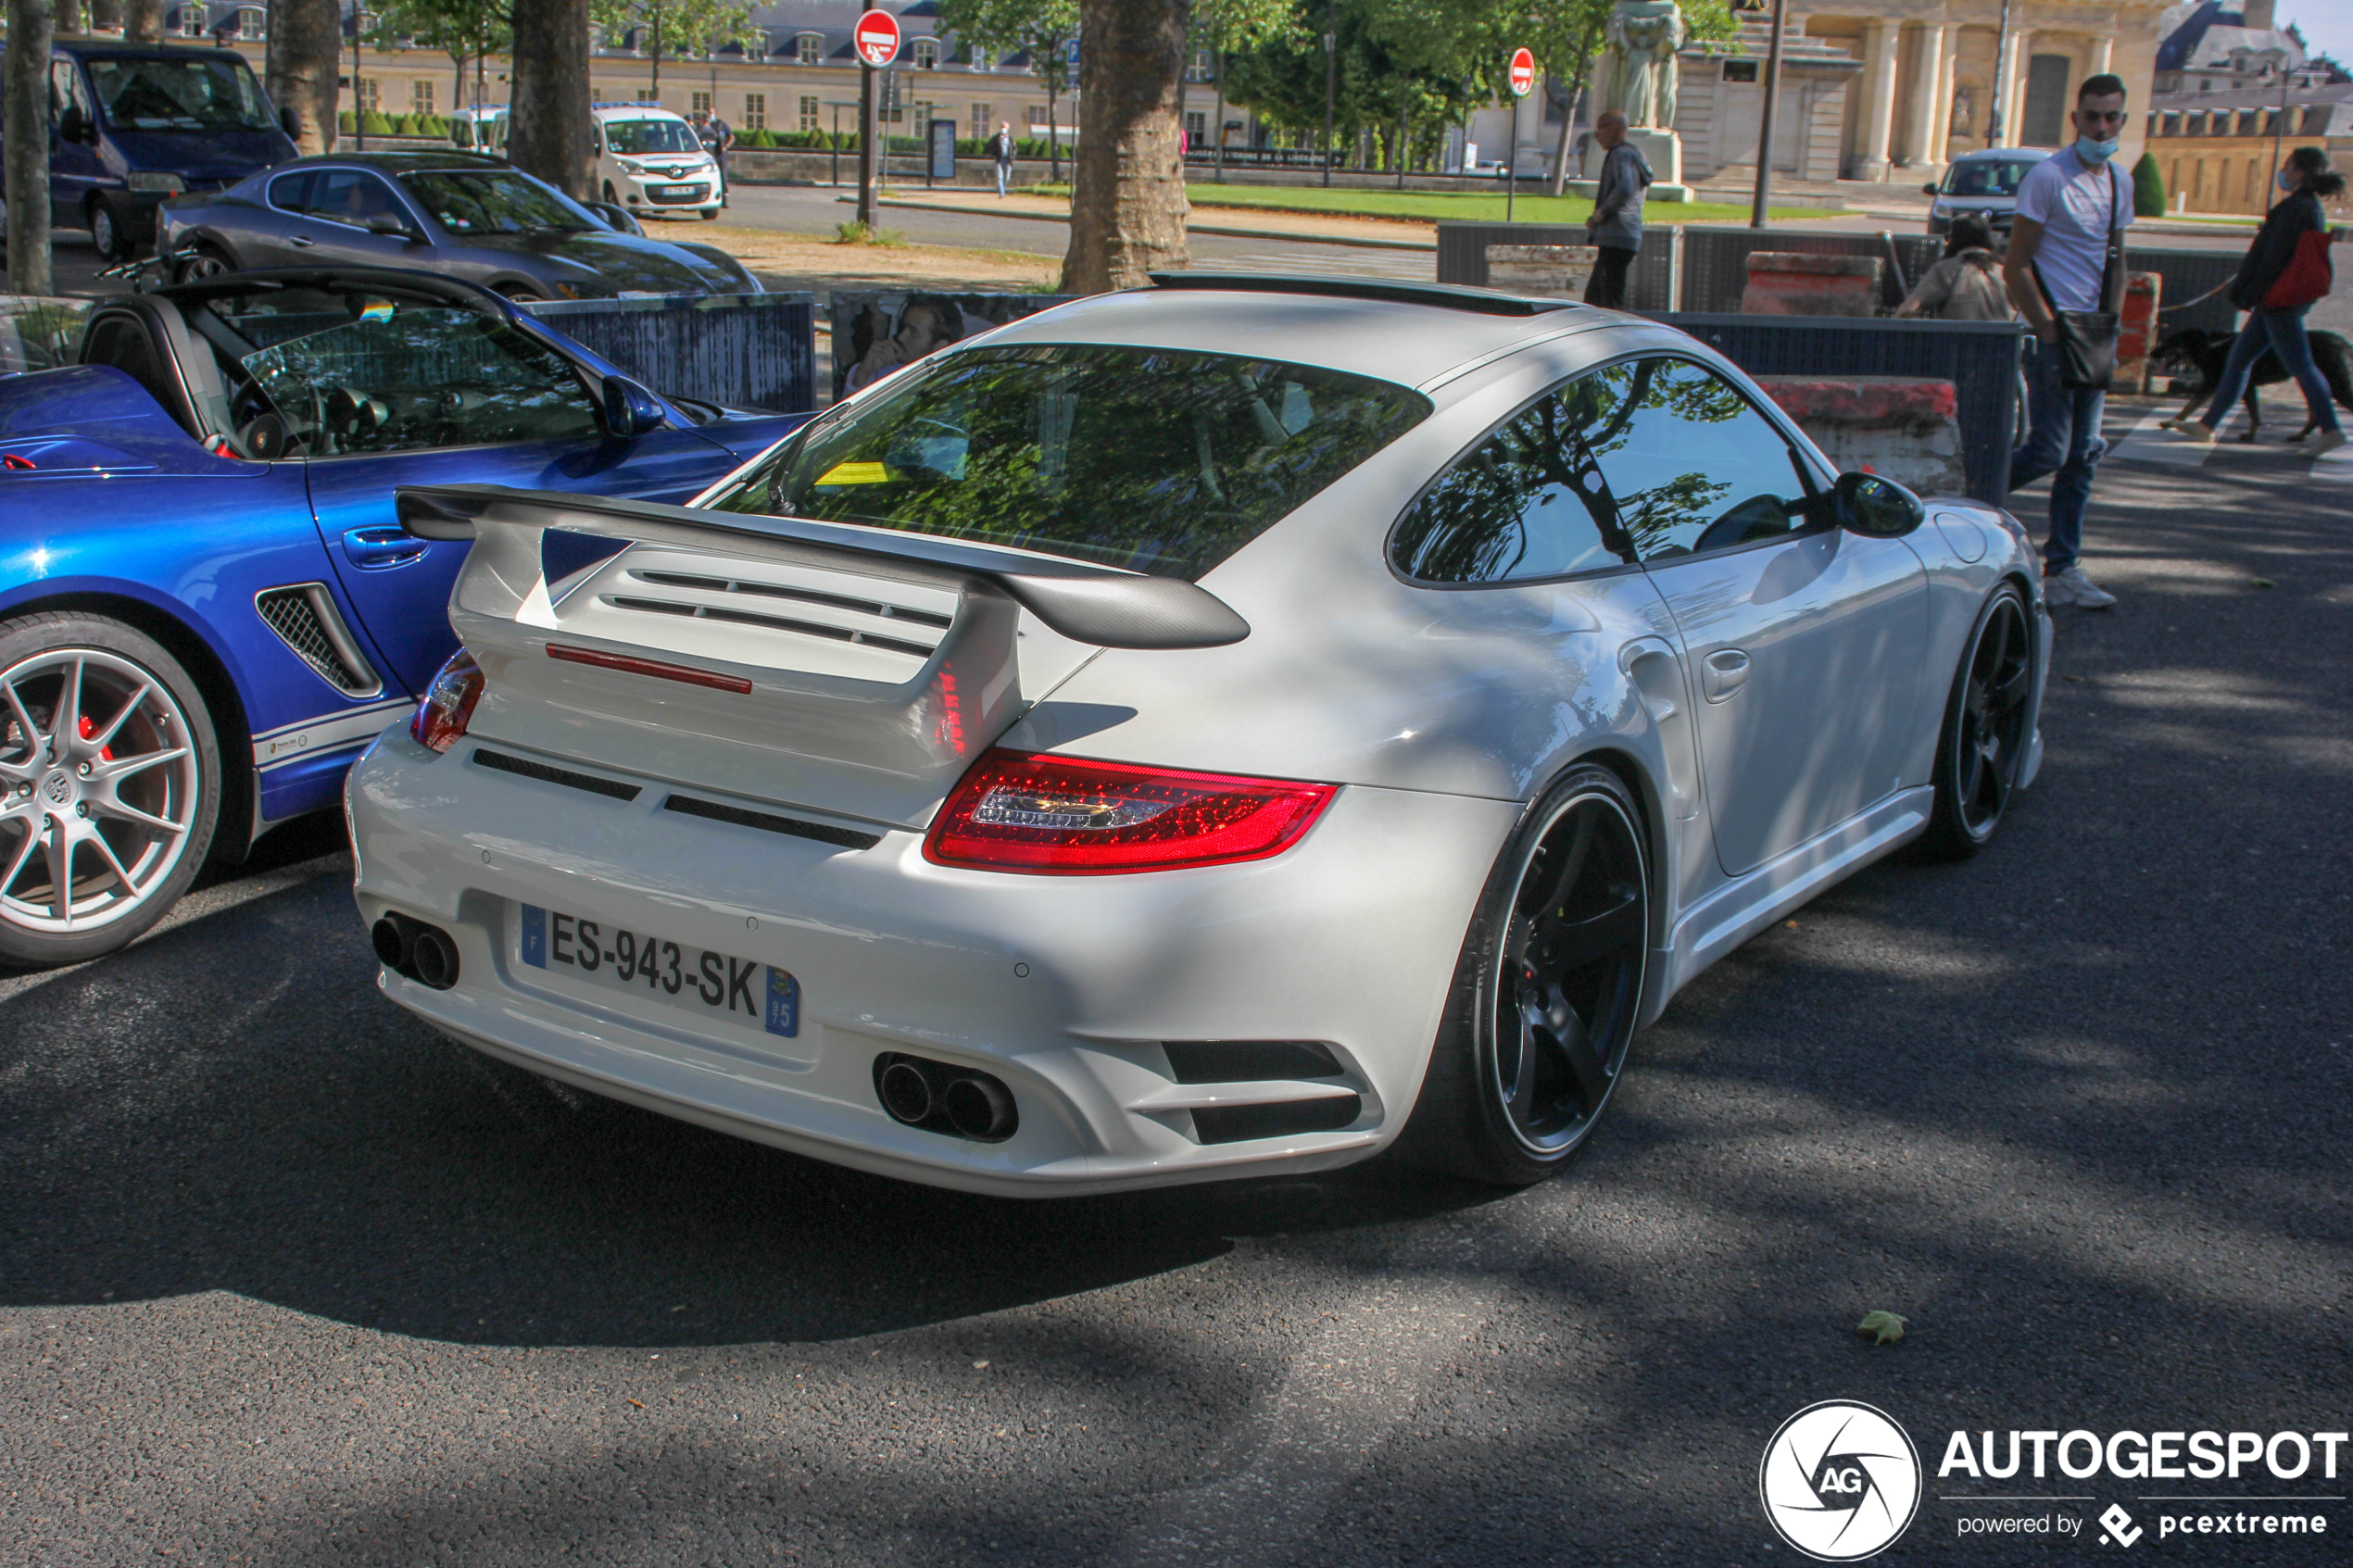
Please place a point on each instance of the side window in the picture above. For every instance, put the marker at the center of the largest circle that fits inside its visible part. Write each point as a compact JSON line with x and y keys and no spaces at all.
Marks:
{"x":1514,"y":507}
{"x":1690,"y":464}
{"x":351,"y":195}
{"x":291,"y":193}
{"x":65,"y":90}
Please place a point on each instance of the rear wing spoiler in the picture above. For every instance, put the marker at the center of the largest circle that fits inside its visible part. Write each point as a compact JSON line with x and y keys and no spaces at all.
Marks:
{"x":1087,"y":604}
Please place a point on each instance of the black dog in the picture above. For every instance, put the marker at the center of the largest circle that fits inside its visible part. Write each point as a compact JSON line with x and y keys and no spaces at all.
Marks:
{"x":2205,"y":353}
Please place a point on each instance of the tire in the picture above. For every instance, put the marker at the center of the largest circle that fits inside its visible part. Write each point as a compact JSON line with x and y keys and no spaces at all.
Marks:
{"x":613,"y":197}
{"x":710,"y":215}
{"x":515,"y":293}
{"x":106,"y":230}
{"x":1525,"y":1064}
{"x":1985,"y":735}
{"x":136,"y":832}
{"x":209,"y":261}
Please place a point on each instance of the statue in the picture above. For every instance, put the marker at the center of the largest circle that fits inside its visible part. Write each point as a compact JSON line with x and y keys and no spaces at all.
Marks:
{"x":1643,"y":36}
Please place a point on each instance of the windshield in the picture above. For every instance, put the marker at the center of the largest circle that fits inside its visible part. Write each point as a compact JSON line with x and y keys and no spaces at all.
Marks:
{"x":1995,"y":177}
{"x":638,"y":136}
{"x":467,"y":203}
{"x":179,"y":94}
{"x":1150,"y":459}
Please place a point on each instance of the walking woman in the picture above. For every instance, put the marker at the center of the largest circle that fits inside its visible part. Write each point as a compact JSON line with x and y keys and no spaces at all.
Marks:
{"x":2285,"y":270}
{"x":1965,"y":285}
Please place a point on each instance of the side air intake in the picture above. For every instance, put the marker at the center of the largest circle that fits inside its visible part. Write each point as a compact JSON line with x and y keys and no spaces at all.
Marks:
{"x":303,"y":616}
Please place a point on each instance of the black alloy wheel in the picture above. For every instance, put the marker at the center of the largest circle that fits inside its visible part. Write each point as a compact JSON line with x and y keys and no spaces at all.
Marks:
{"x":1985,"y":734}
{"x":1547,"y":992}
{"x":207,"y":261}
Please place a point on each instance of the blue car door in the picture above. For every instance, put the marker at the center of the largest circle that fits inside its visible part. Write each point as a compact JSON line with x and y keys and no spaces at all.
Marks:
{"x":73,"y":162}
{"x":400,"y":584}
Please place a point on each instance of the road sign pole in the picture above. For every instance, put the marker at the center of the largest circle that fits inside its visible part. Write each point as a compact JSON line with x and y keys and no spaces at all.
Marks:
{"x":1519,"y":75}
{"x":866,"y":145}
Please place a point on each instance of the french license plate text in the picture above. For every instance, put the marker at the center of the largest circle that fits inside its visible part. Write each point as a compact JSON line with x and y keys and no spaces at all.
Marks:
{"x":697,"y":979}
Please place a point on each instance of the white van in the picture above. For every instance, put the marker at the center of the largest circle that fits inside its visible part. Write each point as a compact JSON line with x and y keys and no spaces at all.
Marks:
{"x":651,"y":161}
{"x":481,"y":128}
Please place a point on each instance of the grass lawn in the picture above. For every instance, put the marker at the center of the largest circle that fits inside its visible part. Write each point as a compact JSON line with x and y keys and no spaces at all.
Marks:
{"x":1429,"y":206}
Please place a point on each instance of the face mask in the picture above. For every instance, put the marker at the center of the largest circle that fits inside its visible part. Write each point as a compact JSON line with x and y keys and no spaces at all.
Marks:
{"x":2094,"y":152}
{"x":2283,"y":181}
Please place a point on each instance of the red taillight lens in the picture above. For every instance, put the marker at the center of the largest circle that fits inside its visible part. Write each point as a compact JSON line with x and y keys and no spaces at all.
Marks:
{"x":1061,"y":816}
{"x":449,"y":703}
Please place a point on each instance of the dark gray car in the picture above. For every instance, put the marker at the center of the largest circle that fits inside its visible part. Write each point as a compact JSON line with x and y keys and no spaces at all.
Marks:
{"x":462,"y":214}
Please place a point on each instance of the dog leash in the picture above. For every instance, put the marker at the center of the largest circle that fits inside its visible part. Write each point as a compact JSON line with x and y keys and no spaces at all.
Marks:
{"x":2201,"y":299}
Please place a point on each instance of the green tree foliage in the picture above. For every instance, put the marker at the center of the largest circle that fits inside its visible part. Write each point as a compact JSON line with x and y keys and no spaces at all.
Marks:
{"x":467,"y":31}
{"x":2148,"y":188}
{"x":1042,"y":28}
{"x":675,"y":27}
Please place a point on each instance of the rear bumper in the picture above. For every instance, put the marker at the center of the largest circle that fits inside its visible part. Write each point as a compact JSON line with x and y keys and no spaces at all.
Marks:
{"x":1063,"y":987}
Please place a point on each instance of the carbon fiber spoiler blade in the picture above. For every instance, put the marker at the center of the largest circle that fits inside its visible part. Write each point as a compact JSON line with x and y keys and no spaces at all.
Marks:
{"x":1087,"y":604}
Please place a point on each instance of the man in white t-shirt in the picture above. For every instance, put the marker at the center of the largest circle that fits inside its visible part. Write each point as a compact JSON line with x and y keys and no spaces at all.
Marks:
{"x":2068,"y":206}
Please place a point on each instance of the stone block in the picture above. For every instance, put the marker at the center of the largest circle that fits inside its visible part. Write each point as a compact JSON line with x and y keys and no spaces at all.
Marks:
{"x":1553,"y":272}
{"x":1784,"y":283}
{"x":1901,"y":428}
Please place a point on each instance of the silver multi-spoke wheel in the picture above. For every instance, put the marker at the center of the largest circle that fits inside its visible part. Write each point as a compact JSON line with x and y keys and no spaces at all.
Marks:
{"x":102,"y":787}
{"x":1547,"y":991}
{"x":108,"y":774}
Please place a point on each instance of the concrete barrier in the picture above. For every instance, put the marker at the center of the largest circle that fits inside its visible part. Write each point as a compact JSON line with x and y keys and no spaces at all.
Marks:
{"x":1554,"y":271}
{"x":1788,"y":283}
{"x":1901,"y":428}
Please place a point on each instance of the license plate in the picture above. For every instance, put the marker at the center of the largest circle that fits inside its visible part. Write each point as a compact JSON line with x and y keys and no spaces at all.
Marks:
{"x":646,"y":962}
{"x":676,"y":192}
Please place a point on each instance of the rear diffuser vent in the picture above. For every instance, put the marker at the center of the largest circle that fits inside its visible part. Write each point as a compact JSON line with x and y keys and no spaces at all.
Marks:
{"x":1248,"y":1061}
{"x":546,"y":772}
{"x":305,"y":618}
{"x":1239,"y":1123}
{"x":768,"y":821}
{"x":904,"y":630}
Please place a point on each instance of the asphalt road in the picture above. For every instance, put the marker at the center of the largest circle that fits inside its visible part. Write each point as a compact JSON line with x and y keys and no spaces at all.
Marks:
{"x":287,"y":1280}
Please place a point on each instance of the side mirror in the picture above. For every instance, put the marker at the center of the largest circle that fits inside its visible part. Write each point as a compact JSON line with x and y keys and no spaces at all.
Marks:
{"x":386,"y":223}
{"x":74,"y":125}
{"x":1928,"y":189}
{"x":1875,"y":508}
{"x":291,"y":123}
{"x":632,"y":411}
{"x":617,"y":219}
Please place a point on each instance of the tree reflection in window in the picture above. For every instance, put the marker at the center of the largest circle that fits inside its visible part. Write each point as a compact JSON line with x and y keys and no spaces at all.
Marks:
{"x":1690,"y":464}
{"x":1518,"y":507}
{"x":1151,"y":460}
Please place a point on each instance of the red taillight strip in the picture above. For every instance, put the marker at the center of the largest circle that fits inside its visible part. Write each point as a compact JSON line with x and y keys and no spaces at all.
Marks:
{"x":10,"y":461}
{"x":654,"y":667}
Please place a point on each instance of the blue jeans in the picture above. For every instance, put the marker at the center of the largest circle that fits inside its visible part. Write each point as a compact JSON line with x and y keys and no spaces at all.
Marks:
{"x":2063,"y":438}
{"x":1002,"y":170}
{"x":2282,"y":332}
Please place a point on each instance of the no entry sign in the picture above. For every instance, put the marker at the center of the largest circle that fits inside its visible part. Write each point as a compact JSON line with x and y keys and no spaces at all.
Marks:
{"x":1523,"y":74}
{"x":878,"y":39}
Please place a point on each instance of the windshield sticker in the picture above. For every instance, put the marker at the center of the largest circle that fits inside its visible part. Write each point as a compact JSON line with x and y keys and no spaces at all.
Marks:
{"x":856,"y":473}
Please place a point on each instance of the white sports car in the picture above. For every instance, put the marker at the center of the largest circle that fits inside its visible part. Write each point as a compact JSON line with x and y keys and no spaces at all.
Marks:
{"x":1219,"y":728}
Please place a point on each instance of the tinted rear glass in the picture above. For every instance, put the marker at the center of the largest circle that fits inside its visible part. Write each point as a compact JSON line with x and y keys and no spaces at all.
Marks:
{"x":1150,"y":460}
{"x":207,"y":94}
{"x":1995,"y":177}
{"x":467,"y":203}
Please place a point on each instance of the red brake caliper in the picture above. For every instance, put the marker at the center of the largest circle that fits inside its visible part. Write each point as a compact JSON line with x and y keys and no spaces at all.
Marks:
{"x":89,"y":729}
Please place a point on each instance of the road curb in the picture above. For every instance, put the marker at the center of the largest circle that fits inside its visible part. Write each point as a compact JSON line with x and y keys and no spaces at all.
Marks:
{"x":1224,"y":230}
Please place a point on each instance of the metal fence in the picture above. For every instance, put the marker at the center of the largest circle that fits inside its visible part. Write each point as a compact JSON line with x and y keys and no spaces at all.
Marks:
{"x":744,"y":350}
{"x":1980,"y":359}
{"x":1715,"y":260}
{"x":1462,"y":256}
{"x":2187,"y":275}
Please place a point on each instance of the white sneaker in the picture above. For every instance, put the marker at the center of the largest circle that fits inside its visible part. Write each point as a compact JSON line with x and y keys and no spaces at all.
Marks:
{"x":2327,"y":441}
{"x":2197,"y":433}
{"x":2070,"y":589}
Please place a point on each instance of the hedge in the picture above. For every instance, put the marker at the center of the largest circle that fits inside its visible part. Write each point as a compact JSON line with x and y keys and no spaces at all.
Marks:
{"x":2148,"y":188}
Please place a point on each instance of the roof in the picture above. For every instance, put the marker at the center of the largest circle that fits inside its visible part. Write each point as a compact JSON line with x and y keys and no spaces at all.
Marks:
{"x":114,"y":48}
{"x":1386,"y":339}
{"x":2003,"y":155}
{"x":402,"y":162}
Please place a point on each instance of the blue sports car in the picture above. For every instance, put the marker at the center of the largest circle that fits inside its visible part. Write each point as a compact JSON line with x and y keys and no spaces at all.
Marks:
{"x":208,"y":605}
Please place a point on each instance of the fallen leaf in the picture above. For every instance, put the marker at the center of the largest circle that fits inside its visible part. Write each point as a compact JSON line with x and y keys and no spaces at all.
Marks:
{"x":980,"y":1366}
{"x":641,"y":1406}
{"x":1887,"y":1327}
{"x":2261,"y":583}
{"x":2077,"y":679}
{"x":1790,"y":924}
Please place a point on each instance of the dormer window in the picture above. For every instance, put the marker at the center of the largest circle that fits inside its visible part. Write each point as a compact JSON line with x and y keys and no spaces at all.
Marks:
{"x":927,"y":54}
{"x":192,"y":22}
{"x":984,"y":59}
{"x":251,"y":22}
{"x":807,"y":48}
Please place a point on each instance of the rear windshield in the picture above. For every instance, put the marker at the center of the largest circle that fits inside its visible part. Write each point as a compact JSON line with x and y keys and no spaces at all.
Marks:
{"x":493,"y":203}
{"x":634,"y":136}
{"x":1995,"y":177}
{"x":211,"y":93}
{"x":1145,"y":458}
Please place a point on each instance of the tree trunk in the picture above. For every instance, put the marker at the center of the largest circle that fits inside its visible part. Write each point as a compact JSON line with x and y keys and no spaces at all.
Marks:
{"x":1568,"y":126}
{"x":68,"y":17}
{"x":106,"y":15}
{"x":26,"y":137}
{"x":549,"y":126}
{"x":142,"y":21}
{"x":299,"y":61}
{"x":1128,"y":203}
{"x":1053,"y":132}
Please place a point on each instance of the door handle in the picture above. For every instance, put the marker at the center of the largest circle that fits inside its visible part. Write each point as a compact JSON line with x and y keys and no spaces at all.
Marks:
{"x":1721,"y":674}
{"x":302,"y":242}
{"x":372,"y":549}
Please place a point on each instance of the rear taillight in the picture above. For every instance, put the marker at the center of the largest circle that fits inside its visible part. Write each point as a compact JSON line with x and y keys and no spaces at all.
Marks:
{"x":449,"y":703}
{"x":1062,"y":816}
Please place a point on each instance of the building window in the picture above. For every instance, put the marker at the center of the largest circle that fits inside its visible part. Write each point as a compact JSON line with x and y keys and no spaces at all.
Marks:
{"x":1037,"y":118}
{"x":806,"y":47}
{"x":984,"y":59}
{"x":1199,"y":69}
{"x":253,"y":22}
{"x":808,"y":112}
{"x":982,"y":128}
{"x":2254,"y":180}
{"x":755,"y":111}
{"x":192,"y":22}
{"x":371,"y":102}
{"x":698,"y":102}
{"x":420,"y":97}
{"x":1196,"y":128}
{"x":927,"y":54}
{"x":1740,"y":71}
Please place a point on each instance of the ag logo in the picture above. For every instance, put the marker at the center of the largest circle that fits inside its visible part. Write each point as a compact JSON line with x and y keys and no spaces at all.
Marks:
{"x":1840,"y":1481}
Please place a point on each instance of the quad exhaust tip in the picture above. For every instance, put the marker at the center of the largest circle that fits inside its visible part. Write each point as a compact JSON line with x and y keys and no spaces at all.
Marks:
{"x":416,"y":951}
{"x":961,"y":1102}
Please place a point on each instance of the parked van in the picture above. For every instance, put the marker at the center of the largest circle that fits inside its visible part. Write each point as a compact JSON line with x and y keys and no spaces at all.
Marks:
{"x":481,"y":128}
{"x":132,"y":123}
{"x":650,"y":162}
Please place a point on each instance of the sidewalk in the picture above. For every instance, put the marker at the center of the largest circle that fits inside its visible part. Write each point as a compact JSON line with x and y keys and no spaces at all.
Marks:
{"x":1380,"y":233}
